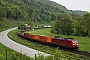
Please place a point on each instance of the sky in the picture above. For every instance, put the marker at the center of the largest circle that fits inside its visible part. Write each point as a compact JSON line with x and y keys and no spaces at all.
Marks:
{"x":83,"y":5}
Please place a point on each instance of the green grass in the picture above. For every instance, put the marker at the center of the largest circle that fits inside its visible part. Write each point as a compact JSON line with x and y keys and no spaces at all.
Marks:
{"x":40,"y":47}
{"x":84,"y":42}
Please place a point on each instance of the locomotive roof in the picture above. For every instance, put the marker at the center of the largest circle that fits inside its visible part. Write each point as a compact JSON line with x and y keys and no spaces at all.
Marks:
{"x":59,"y":38}
{"x":74,"y":41}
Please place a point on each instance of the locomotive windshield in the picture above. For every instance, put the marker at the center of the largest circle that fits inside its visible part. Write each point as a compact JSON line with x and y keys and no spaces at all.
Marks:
{"x":74,"y":41}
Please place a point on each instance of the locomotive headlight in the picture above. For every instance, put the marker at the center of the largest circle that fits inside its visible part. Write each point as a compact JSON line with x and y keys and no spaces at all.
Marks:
{"x":77,"y":44}
{"x":73,"y":44}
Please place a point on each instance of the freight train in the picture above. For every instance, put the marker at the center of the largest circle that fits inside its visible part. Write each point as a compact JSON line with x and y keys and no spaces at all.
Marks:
{"x":64,"y":42}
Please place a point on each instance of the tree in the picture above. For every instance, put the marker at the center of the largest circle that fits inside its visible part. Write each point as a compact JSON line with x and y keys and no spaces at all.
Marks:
{"x":57,"y":27}
{"x":79,"y":24}
{"x":87,"y":22}
{"x":52,"y":26}
{"x":64,"y":24}
{"x":2,"y":12}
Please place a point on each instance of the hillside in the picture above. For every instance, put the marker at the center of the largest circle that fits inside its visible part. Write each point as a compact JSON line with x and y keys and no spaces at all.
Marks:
{"x":35,"y":10}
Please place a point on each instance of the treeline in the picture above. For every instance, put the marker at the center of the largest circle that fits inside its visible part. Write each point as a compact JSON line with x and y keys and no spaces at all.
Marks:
{"x":79,"y":26}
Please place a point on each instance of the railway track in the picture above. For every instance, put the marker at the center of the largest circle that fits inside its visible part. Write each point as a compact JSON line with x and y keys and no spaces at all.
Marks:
{"x":81,"y":53}
{"x":87,"y":54}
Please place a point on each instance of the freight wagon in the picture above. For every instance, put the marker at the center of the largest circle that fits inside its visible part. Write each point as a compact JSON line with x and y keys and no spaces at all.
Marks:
{"x":45,"y":39}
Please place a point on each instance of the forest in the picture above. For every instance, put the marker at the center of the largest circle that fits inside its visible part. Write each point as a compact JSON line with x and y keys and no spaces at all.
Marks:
{"x":36,"y":10}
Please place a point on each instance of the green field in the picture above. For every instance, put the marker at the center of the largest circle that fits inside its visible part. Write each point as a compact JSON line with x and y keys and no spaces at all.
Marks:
{"x":84,"y":42}
{"x":43,"y":48}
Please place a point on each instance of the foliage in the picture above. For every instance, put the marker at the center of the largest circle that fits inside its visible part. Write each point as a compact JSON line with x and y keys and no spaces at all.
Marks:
{"x":7,"y":24}
{"x":22,"y":27}
{"x":56,"y":56}
{"x":63,"y":25}
{"x":31,"y":10}
{"x":34,"y":10}
{"x":79,"y":26}
{"x":87,"y":22}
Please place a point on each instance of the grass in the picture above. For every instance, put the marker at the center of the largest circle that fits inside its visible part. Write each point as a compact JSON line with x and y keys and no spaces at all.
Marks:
{"x":84,"y":42}
{"x":40,"y":47}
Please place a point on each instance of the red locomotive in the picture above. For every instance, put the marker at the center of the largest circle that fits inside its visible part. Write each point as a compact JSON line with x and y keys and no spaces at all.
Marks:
{"x":64,"y":42}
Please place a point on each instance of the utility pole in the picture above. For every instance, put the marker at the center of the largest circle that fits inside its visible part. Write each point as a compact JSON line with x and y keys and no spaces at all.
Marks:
{"x":35,"y":57}
{"x":6,"y":55}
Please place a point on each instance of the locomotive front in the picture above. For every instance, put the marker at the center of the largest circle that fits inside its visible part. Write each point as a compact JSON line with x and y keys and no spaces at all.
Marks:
{"x":75,"y":44}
